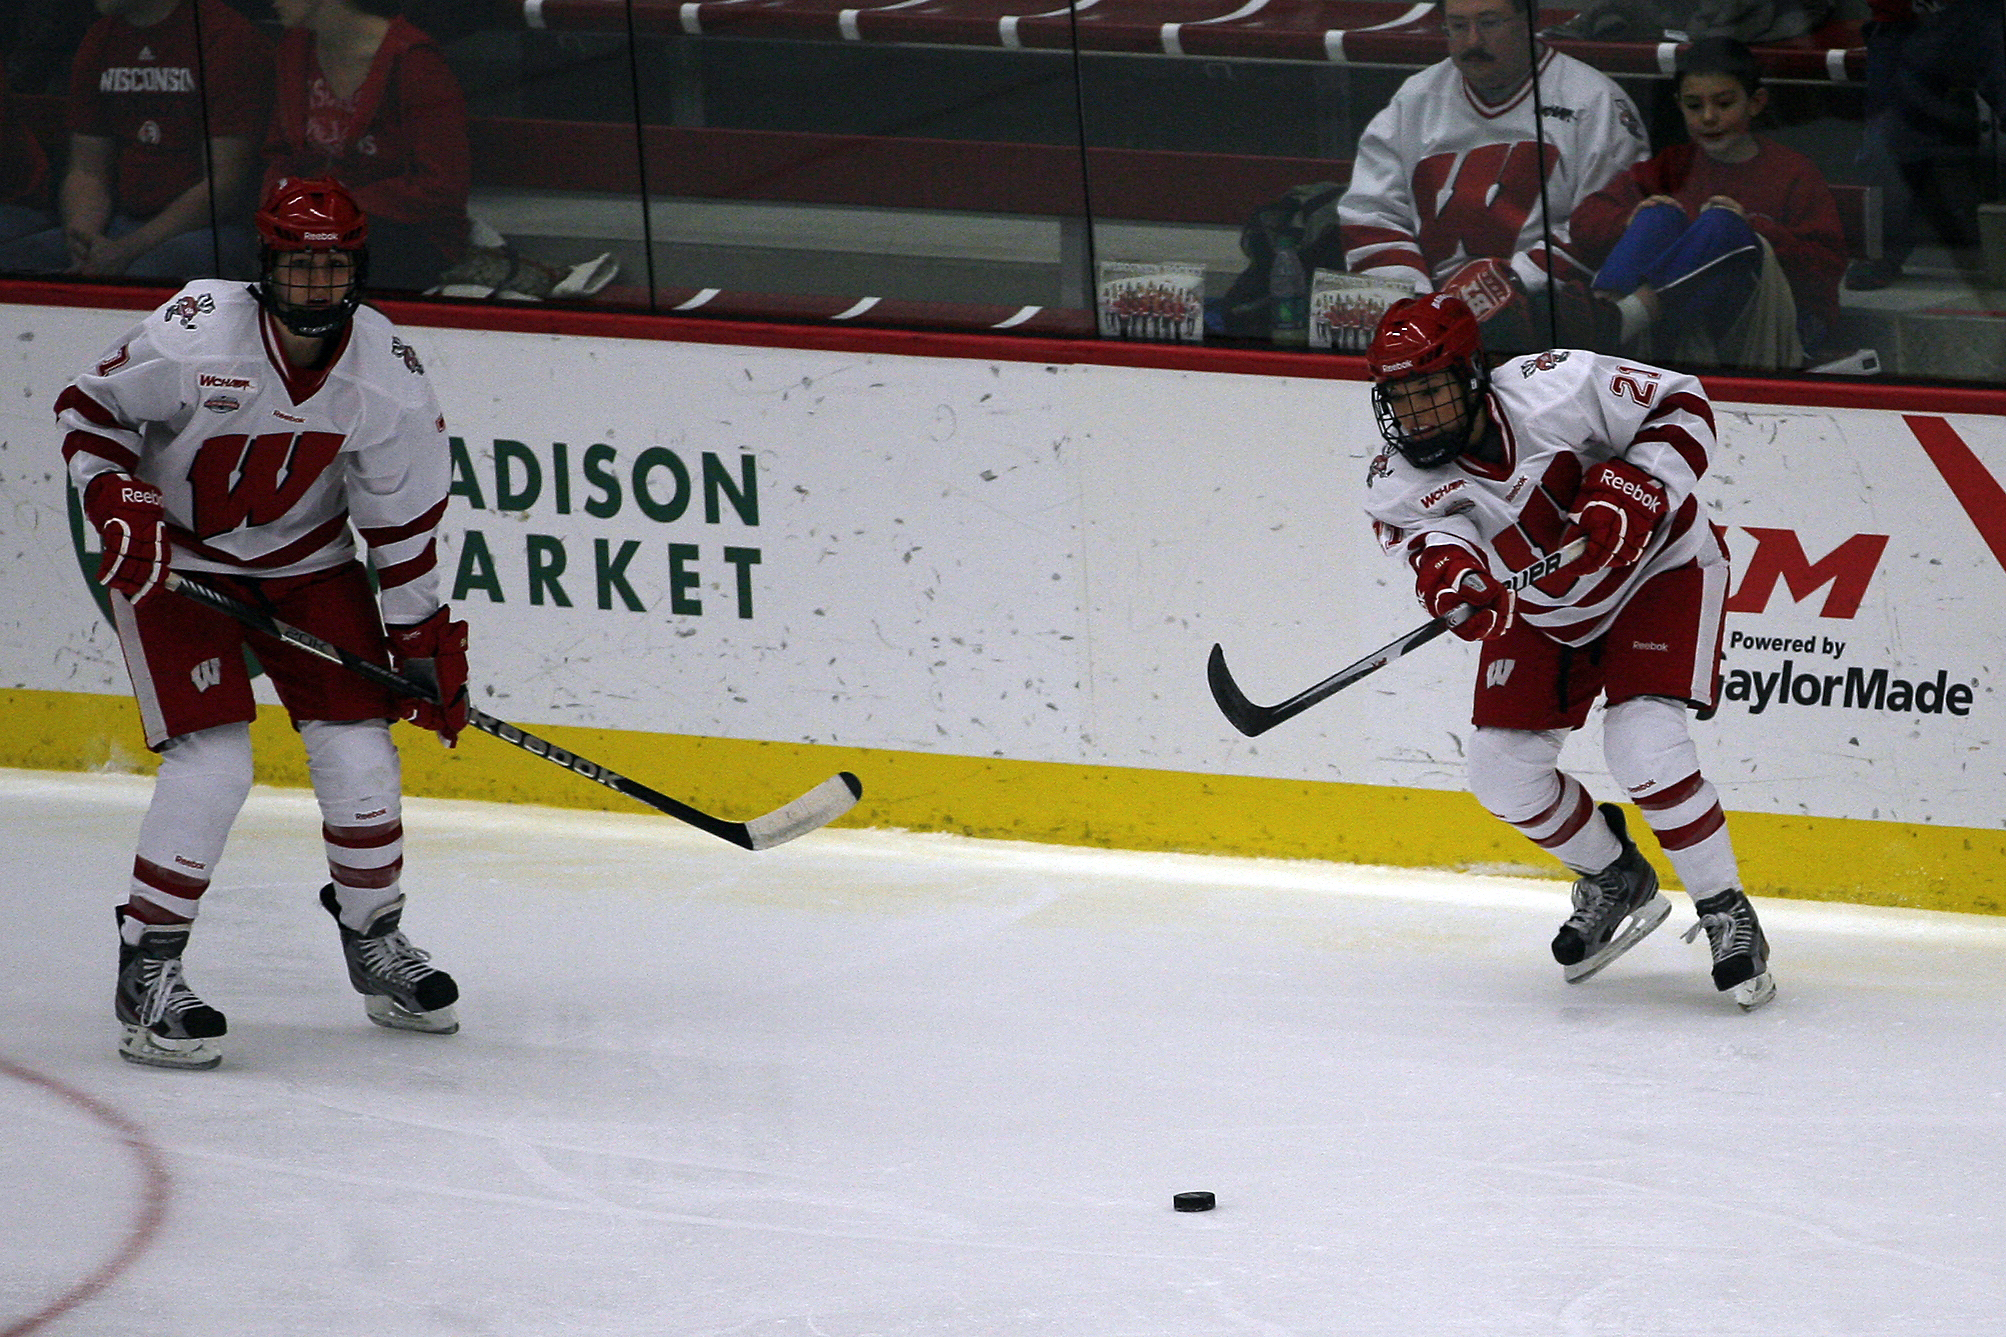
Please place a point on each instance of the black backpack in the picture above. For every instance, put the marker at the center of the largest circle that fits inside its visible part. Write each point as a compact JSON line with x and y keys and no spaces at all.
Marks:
{"x":1305,"y":219}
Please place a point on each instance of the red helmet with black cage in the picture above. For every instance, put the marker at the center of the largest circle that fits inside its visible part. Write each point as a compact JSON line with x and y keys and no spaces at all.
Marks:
{"x":311,"y":217}
{"x":1428,"y":377}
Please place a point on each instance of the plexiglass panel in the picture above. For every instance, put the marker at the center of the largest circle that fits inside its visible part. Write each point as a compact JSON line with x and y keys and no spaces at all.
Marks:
{"x":1131,"y":165}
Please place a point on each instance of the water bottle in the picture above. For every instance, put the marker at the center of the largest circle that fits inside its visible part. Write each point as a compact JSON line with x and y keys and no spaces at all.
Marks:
{"x":1288,"y":298}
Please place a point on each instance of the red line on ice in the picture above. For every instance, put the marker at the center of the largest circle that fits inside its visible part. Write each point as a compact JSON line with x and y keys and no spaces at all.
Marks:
{"x":155,"y":1188}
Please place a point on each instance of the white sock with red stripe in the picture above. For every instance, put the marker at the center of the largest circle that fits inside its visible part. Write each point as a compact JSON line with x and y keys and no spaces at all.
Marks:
{"x":1652,"y":755}
{"x":203,"y":781}
{"x":1514,"y":775}
{"x":358,"y":781}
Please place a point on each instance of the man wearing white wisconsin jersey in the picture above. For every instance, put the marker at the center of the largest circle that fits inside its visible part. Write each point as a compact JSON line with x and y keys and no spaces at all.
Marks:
{"x":1485,"y":472}
{"x":1466,"y":179}
{"x":235,"y":435}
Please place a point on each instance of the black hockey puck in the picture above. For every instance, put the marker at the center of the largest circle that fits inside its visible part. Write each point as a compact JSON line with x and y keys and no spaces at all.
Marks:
{"x":1194,"y":1202}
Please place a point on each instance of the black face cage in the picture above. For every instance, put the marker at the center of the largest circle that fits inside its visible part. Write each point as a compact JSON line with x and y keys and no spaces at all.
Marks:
{"x":1436,"y":450}
{"x":310,"y":322}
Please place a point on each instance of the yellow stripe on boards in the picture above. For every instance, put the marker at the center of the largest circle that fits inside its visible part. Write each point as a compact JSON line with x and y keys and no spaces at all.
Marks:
{"x":1813,"y":858}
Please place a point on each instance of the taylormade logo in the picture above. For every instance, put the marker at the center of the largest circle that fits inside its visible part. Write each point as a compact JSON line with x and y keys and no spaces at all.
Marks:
{"x":1855,"y":689}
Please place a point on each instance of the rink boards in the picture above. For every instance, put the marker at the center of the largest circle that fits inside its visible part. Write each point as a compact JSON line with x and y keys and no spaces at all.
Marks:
{"x":985,"y":574}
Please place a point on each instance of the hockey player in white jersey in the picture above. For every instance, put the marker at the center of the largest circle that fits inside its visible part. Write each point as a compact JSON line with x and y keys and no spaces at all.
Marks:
{"x":1466,"y":179}
{"x":1483,"y":472}
{"x":247,"y":435}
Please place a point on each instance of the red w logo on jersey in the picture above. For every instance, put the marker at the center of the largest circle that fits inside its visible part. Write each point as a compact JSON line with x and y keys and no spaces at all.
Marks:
{"x":1496,"y":188}
{"x":241,"y":480}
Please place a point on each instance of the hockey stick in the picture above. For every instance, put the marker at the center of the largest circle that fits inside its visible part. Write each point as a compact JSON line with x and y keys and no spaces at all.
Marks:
{"x":1253,"y":720}
{"x":818,"y":807}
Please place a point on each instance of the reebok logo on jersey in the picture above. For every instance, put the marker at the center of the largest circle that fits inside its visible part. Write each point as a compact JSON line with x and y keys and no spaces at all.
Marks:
{"x":206,"y":674}
{"x":286,"y":417}
{"x":1649,"y":645}
{"x":147,"y":79}
{"x":1498,"y":672}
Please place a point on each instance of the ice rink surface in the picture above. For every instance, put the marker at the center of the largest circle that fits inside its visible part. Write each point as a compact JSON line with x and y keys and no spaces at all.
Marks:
{"x":882,"y":1083}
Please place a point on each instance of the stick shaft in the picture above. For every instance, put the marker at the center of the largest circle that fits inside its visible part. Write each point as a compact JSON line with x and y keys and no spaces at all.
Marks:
{"x":1253,"y":720}
{"x":802,"y":815}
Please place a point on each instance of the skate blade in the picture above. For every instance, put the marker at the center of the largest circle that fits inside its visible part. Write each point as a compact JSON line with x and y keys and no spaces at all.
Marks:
{"x":139,"y":1045}
{"x":386,"y":1012}
{"x":1642,"y":920}
{"x":1753,"y":993}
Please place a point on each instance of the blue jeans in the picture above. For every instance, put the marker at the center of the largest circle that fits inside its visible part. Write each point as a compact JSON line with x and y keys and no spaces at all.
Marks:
{"x":1913,"y":69}
{"x":188,"y":255}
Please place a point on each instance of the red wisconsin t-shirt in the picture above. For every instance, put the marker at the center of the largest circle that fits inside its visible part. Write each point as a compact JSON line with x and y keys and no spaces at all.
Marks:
{"x":141,"y":88}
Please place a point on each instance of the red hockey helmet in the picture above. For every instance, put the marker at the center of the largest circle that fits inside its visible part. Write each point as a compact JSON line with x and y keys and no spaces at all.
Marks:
{"x":311,"y":215}
{"x":1428,"y":377}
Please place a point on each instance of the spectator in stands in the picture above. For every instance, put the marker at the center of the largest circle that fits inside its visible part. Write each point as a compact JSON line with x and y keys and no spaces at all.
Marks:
{"x":1448,"y":189}
{"x":365,"y":97}
{"x":24,"y":175}
{"x":1727,"y":248}
{"x":1925,"y":58}
{"x":157,"y":180}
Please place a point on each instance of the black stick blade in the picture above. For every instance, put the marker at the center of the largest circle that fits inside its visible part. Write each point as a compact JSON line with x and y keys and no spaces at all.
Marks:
{"x":1244,"y":715}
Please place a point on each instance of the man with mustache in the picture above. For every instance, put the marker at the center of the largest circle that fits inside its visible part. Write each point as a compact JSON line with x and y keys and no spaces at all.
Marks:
{"x":1454,"y":179}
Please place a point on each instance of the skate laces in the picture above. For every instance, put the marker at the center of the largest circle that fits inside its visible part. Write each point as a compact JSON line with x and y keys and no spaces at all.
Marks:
{"x":392,"y":957}
{"x":1729,"y":932}
{"x":166,"y":992}
{"x":1596,"y":896}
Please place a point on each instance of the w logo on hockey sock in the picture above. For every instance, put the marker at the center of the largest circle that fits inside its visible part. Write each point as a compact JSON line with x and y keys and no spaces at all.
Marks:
{"x":242,"y":480}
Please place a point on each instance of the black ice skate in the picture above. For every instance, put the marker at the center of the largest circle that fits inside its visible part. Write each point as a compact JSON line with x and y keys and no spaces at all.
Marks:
{"x":165,"y":1024}
{"x":1740,"y":952}
{"x":1613,"y":909}
{"x":399,"y":986}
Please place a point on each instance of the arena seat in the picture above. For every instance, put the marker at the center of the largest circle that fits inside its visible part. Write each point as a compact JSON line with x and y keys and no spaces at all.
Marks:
{"x":1355,"y":32}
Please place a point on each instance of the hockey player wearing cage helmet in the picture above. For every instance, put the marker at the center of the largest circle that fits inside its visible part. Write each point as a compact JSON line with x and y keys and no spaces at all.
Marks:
{"x":267,"y":440}
{"x":1428,"y":378}
{"x":313,"y":243}
{"x":1552,"y":514}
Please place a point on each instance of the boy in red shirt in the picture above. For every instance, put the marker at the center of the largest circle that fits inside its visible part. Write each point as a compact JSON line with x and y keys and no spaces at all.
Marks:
{"x":1727,"y":249}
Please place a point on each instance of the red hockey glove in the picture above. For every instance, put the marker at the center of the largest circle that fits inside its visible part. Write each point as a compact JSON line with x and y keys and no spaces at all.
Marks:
{"x":1448,"y":576}
{"x":434,"y":654}
{"x":1616,"y":510}
{"x":132,"y":528}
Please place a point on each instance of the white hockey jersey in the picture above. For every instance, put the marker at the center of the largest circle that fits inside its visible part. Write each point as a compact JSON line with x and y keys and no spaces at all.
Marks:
{"x":1558,"y":414}
{"x":263,"y":468}
{"x":1441,"y":178}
